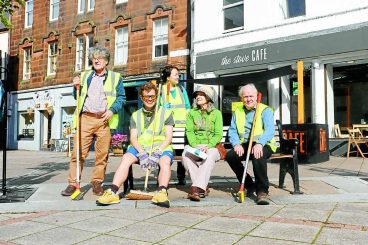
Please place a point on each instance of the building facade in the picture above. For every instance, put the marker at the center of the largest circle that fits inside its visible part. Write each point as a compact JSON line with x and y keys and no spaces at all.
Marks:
{"x":247,"y":37}
{"x":49,"y":46}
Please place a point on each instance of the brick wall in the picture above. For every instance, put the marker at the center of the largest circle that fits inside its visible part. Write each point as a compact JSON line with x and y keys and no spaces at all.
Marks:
{"x":101,"y":23}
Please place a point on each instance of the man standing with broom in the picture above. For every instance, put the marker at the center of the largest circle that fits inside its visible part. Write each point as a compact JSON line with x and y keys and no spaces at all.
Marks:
{"x":102,"y":95}
{"x":262,"y":146}
{"x":151,"y":130}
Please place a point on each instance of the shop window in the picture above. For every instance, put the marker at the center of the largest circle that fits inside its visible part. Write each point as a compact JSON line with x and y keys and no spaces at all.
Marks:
{"x":121,"y":46}
{"x":26,"y":125}
{"x":54,"y":9}
{"x":121,"y":1}
{"x":233,"y":15}
{"x":160,"y":38}
{"x":67,"y":120}
{"x":27,"y":58}
{"x":295,"y":8}
{"x":52,"y":59}
{"x":29,"y":14}
{"x":81,"y":54}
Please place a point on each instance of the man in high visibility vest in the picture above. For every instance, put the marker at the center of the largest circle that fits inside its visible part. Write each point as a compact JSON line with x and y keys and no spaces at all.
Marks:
{"x":102,"y":95}
{"x":175,"y":98}
{"x":262,"y":148}
{"x":150,"y":144}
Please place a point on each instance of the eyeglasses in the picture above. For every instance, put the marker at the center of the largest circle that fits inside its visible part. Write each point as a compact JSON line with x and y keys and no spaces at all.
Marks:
{"x":152,"y":97}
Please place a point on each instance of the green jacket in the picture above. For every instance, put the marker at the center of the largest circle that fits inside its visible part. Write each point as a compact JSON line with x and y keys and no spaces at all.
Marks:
{"x":204,"y":127}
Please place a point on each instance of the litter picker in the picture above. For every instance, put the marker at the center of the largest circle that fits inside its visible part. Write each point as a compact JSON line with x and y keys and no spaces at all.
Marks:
{"x":77,"y":195}
{"x":241,"y":189}
{"x":145,"y":195}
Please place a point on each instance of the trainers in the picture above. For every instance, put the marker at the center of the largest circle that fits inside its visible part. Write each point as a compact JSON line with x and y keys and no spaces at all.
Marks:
{"x":194,"y":194}
{"x":262,"y":198}
{"x":97,"y":188}
{"x":107,"y":198}
{"x":70,"y":189}
{"x":161,"y":199}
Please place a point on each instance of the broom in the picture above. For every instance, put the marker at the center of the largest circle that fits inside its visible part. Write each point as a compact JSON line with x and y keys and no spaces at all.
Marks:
{"x":77,"y":195}
{"x":241,"y":189}
{"x":145,"y":195}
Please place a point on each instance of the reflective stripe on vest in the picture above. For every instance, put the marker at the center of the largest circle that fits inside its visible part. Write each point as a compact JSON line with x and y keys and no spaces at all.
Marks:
{"x":240,"y":116}
{"x":145,"y":135}
{"x":177,"y":106}
{"x":109,"y":88}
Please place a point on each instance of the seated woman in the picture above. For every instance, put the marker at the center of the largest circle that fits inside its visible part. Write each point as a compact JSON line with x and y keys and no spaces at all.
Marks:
{"x":203,"y":130}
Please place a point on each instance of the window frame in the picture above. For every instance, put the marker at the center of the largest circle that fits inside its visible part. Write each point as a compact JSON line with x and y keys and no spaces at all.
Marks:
{"x":229,"y":6}
{"x":27,"y":117}
{"x":54,"y":3}
{"x":89,"y":8}
{"x":121,"y":1}
{"x":27,"y":63}
{"x":28,"y":13}
{"x":155,"y":36}
{"x":124,"y":44}
{"x":81,"y":6}
{"x":50,"y":58}
{"x":79,"y":53}
{"x":87,"y":64}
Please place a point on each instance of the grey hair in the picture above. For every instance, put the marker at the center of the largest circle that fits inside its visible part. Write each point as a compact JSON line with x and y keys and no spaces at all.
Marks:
{"x":251,"y":85}
{"x":98,"y":51}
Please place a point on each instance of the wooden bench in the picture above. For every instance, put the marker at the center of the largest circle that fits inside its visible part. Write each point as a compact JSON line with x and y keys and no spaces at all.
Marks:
{"x":286,"y":154}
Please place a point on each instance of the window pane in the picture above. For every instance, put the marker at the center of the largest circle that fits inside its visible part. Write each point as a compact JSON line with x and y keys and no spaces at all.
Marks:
{"x":91,"y":4}
{"x":234,"y":17}
{"x":296,"y":8}
{"x":89,"y":45}
{"x":26,"y":125}
{"x":121,"y":46}
{"x":79,"y":54}
{"x":227,"y":2}
{"x":160,"y":37}
{"x":29,"y":13}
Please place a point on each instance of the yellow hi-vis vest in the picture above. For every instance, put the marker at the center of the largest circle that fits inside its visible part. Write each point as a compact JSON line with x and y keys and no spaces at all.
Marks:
{"x":177,"y":105}
{"x":145,"y":135}
{"x":240,"y":115}
{"x":109,"y":88}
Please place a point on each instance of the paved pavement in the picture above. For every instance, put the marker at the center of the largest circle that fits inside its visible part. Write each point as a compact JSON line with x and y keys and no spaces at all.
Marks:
{"x":332,"y":210}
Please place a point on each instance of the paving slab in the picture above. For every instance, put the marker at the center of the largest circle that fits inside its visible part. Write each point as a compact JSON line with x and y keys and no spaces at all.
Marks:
{"x":250,"y":240}
{"x":20,"y":229}
{"x":195,"y":236}
{"x":179,"y":219}
{"x":107,"y":239}
{"x":290,"y":212}
{"x":147,"y":232}
{"x":228,"y":225}
{"x":60,"y":235}
{"x":101,"y":224}
{"x":355,"y":218}
{"x":253,"y":210}
{"x":290,"y":232}
{"x":342,"y":236}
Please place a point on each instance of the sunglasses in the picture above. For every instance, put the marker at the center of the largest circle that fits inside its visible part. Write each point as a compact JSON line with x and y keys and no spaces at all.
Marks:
{"x":152,"y":97}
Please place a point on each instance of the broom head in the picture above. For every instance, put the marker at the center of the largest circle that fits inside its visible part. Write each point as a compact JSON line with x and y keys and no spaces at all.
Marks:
{"x":139,"y":195}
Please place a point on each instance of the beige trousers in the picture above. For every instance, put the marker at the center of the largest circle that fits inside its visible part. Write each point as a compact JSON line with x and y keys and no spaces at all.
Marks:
{"x":200,"y":170}
{"x":91,"y":127}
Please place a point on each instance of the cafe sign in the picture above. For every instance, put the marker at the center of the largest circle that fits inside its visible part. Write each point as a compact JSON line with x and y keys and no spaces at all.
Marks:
{"x":309,"y":47}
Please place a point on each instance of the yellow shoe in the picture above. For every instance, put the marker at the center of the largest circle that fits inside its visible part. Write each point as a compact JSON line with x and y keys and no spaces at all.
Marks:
{"x":161,"y":199}
{"x":108,"y":198}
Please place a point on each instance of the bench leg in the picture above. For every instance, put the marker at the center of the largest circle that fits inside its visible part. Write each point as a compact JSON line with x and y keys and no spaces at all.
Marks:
{"x":282,"y":173}
{"x":296,"y":173}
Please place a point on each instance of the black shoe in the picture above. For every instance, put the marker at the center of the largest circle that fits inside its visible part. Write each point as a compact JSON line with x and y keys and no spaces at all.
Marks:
{"x":181,"y":182}
{"x":70,"y":189}
{"x":263,"y":198}
{"x":250,"y":190}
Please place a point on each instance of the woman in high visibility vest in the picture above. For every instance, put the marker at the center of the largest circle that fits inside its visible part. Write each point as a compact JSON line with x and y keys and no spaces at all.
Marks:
{"x":175,"y":98}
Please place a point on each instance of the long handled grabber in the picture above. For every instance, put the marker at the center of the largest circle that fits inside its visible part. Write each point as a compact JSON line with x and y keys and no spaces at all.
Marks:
{"x":145,"y":195}
{"x":77,"y":195}
{"x":250,"y":143}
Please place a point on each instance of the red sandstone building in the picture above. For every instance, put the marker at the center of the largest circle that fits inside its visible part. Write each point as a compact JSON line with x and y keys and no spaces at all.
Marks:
{"x":49,"y":46}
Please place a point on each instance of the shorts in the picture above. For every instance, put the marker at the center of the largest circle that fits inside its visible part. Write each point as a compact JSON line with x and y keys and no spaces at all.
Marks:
{"x":134,"y":152}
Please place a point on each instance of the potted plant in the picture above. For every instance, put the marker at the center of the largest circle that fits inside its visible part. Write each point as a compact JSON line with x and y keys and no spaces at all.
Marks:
{"x":119,"y":143}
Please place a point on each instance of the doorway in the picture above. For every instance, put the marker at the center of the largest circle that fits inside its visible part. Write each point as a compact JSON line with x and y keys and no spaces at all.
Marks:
{"x":45,"y":138}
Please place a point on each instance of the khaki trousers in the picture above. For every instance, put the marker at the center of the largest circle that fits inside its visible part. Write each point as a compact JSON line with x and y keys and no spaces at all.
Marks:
{"x":91,"y":127}
{"x":200,"y":170}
